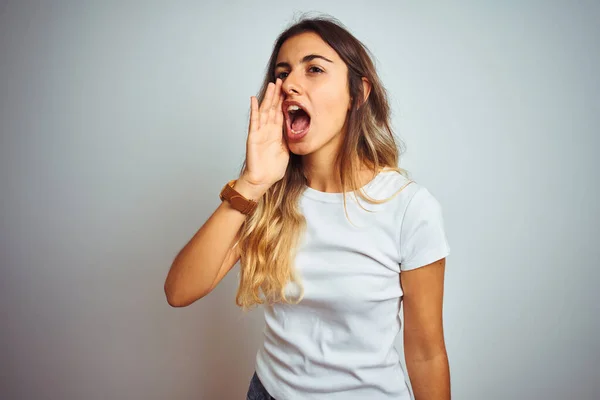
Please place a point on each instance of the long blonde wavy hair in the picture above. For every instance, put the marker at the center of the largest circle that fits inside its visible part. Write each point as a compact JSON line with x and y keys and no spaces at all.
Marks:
{"x":270,"y":236}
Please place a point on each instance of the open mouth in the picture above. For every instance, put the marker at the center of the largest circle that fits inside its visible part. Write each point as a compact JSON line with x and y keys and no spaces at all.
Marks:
{"x":297,"y":121}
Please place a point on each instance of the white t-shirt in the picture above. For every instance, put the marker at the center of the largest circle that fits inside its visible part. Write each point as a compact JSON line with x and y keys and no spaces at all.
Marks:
{"x":338,"y":342}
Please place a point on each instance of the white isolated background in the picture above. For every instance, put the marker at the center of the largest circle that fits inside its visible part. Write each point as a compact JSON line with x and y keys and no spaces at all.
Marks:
{"x":120,"y":122}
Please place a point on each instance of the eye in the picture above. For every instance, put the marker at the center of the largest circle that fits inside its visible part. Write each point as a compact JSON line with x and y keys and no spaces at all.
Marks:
{"x":313,"y":69}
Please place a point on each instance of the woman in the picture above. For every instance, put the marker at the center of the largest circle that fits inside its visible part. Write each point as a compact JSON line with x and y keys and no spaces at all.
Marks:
{"x":330,"y":234}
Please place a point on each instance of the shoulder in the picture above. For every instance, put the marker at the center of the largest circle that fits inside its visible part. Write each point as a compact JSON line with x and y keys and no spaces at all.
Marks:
{"x":422,"y":201}
{"x":395,"y":186}
{"x":422,"y":232}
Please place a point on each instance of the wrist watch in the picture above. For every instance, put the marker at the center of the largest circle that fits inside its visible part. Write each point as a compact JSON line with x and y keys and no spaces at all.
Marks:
{"x":236,"y":200}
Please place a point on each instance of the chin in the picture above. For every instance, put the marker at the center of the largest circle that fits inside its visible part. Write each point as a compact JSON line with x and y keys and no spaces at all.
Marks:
{"x":300,"y":149}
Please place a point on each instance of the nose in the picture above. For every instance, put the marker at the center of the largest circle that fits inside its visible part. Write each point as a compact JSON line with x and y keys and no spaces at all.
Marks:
{"x":291,"y":85}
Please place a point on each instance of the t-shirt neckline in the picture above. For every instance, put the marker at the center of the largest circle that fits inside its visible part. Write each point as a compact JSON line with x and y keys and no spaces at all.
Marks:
{"x":329,"y":197}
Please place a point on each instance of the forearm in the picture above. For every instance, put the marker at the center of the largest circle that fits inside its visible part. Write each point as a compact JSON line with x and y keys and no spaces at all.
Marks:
{"x":197,"y":265}
{"x":429,"y":378}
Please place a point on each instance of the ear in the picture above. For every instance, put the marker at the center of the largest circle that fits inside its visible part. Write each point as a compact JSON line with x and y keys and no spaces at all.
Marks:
{"x":366,"y":91}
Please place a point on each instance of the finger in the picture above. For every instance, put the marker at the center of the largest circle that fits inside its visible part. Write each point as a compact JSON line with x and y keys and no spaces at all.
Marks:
{"x":275,"y":102}
{"x":284,"y":144}
{"x":279,"y":112}
{"x":254,"y":122}
{"x":276,"y":93}
{"x":266,"y":104}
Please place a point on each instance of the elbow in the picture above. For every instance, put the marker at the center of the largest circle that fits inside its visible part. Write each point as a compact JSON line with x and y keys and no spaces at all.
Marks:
{"x":176,"y":301}
{"x":178,"y":298}
{"x":422,"y":348}
{"x":173,"y":298}
{"x":181,"y":290}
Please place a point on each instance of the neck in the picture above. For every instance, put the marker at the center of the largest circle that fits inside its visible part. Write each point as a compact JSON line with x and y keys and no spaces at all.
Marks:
{"x":320,"y":168}
{"x":322,"y":174}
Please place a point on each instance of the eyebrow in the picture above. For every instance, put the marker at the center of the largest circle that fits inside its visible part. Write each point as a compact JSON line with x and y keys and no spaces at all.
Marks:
{"x":305,"y":59}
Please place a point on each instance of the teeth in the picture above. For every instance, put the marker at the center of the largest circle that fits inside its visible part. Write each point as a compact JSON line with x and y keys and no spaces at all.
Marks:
{"x":293,"y":108}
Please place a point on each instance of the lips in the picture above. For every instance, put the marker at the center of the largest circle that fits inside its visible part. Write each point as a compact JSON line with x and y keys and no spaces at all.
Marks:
{"x":297,"y":121}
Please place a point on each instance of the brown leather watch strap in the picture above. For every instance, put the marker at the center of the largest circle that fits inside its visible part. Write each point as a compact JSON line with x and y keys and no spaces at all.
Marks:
{"x":236,"y":200}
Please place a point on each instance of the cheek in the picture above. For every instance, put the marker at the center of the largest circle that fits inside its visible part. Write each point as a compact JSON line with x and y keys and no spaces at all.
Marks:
{"x":333,"y":109}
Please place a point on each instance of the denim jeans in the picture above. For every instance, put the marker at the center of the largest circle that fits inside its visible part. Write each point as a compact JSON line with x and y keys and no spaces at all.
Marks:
{"x":257,"y":391}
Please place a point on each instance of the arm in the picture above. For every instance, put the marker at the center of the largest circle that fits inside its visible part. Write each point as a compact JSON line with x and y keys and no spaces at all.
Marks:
{"x":212,"y":252}
{"x":424,"y":347}
{"x":209,"y":254}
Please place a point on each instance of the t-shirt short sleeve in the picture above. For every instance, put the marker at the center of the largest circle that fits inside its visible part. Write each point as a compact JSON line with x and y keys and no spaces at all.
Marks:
{"x":422,"y":235}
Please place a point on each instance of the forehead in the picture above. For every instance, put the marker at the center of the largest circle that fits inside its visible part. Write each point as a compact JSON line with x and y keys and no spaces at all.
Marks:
{"x":303,"y":44}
